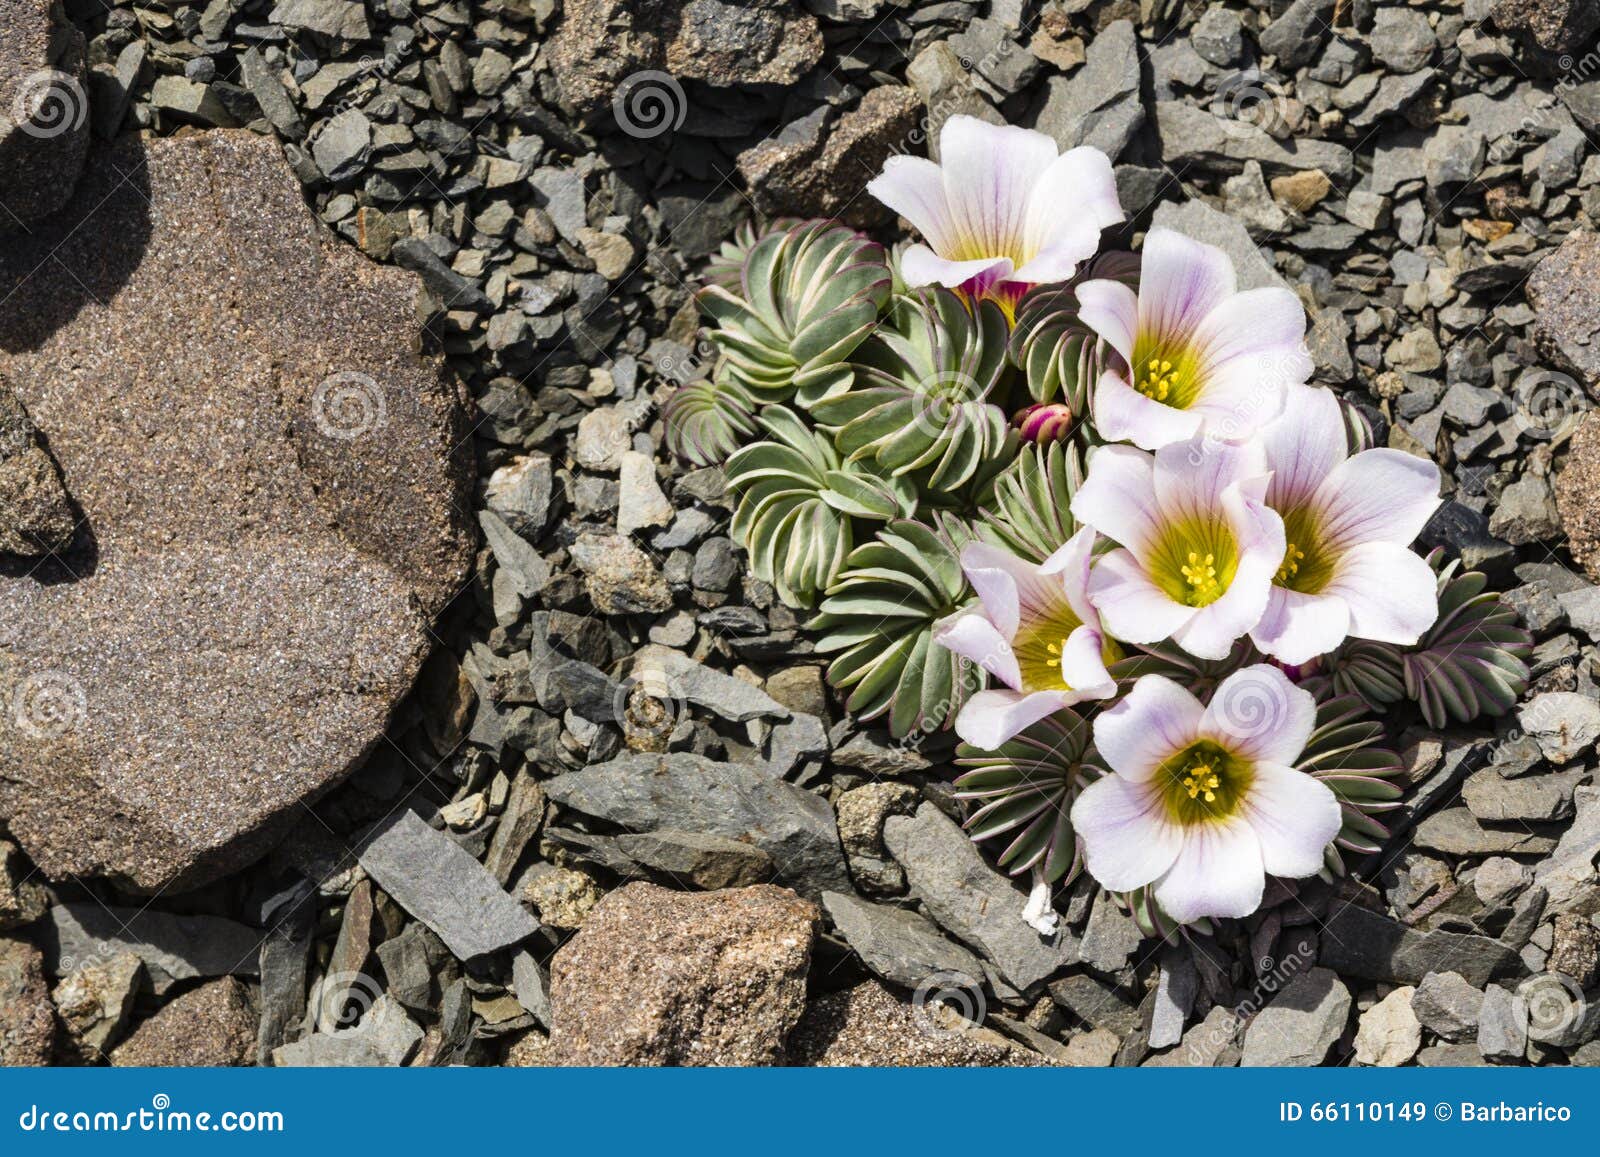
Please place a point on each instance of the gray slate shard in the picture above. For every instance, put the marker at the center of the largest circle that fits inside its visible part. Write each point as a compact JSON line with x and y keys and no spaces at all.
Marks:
{"x":340,"y":19}
{"x":385,"y":1037}
{"x":1298,"y":32}
{"x":434,"y":879}
{"x":1301,"y":1024}
{"x":453,"y":290}
{"x":172,"y":947}
{"x":971,"y":900}
{"x":898,"y":945}
{"x":668,"y":674}
{"x":1199,"y":137}
{"x":1098,"y":105}
{"x":690,"y":793}
{"x":1368,"y":946}
{"x":1111,"y":938}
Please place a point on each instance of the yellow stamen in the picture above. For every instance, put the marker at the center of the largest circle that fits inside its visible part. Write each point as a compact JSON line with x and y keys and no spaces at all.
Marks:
{"x":1159,"y":382}
{"x":1201,"y":574}
{"x":1202,"y":778}
{"x":1292,"y":558}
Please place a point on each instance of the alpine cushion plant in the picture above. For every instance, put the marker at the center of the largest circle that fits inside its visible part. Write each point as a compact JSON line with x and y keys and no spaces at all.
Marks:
{"x":1171,"y":663}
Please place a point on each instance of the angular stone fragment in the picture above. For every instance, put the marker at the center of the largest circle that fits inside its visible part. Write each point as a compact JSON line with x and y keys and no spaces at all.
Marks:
{"x":35,"y":515}
{"x":1301,"y":1024}
{"x":1363,"y":944}
{"x":242,"y":620}
{"x":1099,"y":105}
{"x":27,"y":1018}
{"x":1447,"y":1004}
{"x":384,"y":1037}
{"x":438,"y":882}
{"x":689,"y":793}
{"x":1555,"y":26}
{"x":900,"y":946}
{"x":970,"y":899}
{"x":211,"y":1026}
{"x":44,"y":111}
{"x":1579,"y":481}
{"x":1389,"y":1033}
{"x":172,"y":947}
{"x":867,"y":1026}
{"x":1565,"y":294}
{"x":682,"y":978}
{"x":94,"y":1001}
{"x":672,"y":675}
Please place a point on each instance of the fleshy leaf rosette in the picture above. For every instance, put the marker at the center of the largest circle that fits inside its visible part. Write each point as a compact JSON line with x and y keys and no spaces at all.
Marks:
{"x":921,"y":404}
{"x":807,"y":297}
{"x":878,"y":621}
{"x":796,"y":501}
{"x":708,"y":420}
{"x":1030,"y":512}
{"x":1474,"y":659}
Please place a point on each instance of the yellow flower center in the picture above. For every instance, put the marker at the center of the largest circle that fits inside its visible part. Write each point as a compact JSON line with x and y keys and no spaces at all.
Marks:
{"x":1195,"y":561}
{"x":1166,"y":373}
{"x":1039,"y":646}
{"x":1307,"y":564}
{"x":1203,"y":783}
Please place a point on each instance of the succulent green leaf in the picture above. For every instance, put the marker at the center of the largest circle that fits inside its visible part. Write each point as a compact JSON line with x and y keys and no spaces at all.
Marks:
{"x":707,"y":421}
{"x":877,"y":622}
{"x":1060,"y":356}
{"x":1031,"y":511}
{"x":1474,"y":660}
{"x":806,"y":298}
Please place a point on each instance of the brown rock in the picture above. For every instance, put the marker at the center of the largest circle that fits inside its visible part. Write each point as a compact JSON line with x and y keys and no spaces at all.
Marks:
{"x":681,"y":978}
{"x":1555,"y":26}
{"x":1577,"y":488}
{"x":818,"y":166}
{"x":35,"y":516}
{"x":1565,"y":292}
{"x":867,"y":1026}
{"x":27,"y":1020}
{"x":272,"y":483}
{"x":23,"y":898}
{"x":1302,"y":191}
{"x":1576,"y":949}
{"x":212,"y":1026}
{"x":600,"y":44}
{"x":42,"y":76}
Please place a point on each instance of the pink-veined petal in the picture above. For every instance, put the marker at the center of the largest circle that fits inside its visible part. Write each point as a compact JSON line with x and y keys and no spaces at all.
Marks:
{"x":1218,"y":873}
{"x":1111,"y":309}
{"x":1069,"y":566}
{"x":1297,"y":627}
{"x":1191,"y":477}
{"x":1303,"y":445}
{"x":971,"y":635}
{"x":1127,"y":838}
{"x":914,"y":188}
{"x":1154,"y":720}
{"x":920,"y":265}
{"x":1391,"y":592}
{"x":1259,"y":713}
{"x":1083,"y":665}
{"x":1118,"y":498}
{"x":1180,"y":282}
{"x":1123,"y":414}
{"x":1258,"y":534}
{"x":998,"y":577}
{"x":991,"y":718}
{"x":1295,"y":817}
{"x":990,"y":172}
{"x":1258,"y":335}
{"x":1378,"y":496}
{"x":1131,"y":606}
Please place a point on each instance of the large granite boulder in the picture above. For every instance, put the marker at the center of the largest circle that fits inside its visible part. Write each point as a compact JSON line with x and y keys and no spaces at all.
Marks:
{"x":44,"y":111}
{"x":272,"y":485}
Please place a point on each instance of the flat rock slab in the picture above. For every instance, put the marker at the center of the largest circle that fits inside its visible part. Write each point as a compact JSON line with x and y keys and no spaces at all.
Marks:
{"x":970,"y":899}
{"x":172,"y":947}
{"x":42,"y":78}
{"x":1301,"y":1024}
{"x":899,"y":945}
{"x":212,"y":1026}
{"x":658,"y":977}
{"x":439,"y":882}
{"x":1368,"y":946}
{"x":272,"y":485}
{"x":689,"y":793}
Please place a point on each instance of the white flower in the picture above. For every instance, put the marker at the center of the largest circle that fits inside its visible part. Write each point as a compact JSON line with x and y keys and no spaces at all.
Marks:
{"x":1200,"y":355}
{"x":1198,"y":544}
{"x":1205,"y":802}
{"x":1035,"y":631}
{"x":1349,"y":522}
{"x":1001,"y":210}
